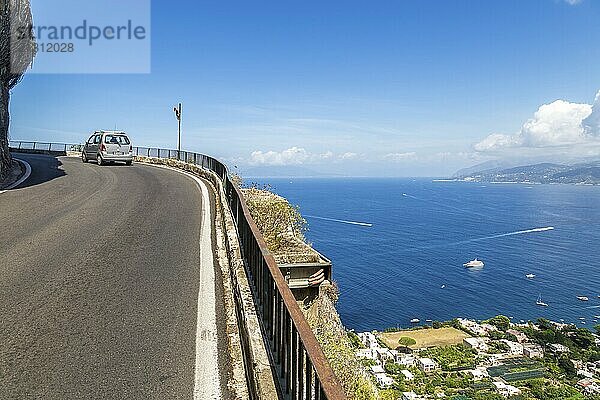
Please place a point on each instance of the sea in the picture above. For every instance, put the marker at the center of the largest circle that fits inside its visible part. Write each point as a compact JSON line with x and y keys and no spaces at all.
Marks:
{"x":398,"y":247}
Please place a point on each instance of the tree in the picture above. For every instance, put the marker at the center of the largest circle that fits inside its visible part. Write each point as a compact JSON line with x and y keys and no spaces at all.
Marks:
{"x":407,"y":341}
{"x":501,"y":322}
{"x":17,"y":49}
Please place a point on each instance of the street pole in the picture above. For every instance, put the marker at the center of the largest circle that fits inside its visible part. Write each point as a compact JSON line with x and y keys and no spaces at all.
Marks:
{"x":179,"y":137}
{"x":177,"y":111}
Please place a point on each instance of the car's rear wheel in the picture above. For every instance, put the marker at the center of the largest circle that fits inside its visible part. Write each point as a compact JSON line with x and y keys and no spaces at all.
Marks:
{"x":99,"y":160}
{"x":128,"y":162}
{"x":84,"y":157}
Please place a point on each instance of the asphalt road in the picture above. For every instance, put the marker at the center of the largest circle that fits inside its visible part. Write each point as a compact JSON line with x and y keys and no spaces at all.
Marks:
{"x":100,"y":270}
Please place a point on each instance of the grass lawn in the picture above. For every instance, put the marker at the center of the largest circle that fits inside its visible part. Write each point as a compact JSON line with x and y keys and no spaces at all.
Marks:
{"x":425,"y":337}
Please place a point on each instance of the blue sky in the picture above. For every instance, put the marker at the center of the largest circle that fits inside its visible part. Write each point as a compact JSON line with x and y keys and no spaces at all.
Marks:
{"x":400,"y":88}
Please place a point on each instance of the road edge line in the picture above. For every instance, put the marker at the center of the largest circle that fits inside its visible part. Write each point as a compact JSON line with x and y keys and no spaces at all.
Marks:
{"x":22,"y":179}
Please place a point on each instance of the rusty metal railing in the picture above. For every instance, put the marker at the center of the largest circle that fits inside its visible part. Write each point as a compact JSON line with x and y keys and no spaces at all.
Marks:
{"x":301,"y":368}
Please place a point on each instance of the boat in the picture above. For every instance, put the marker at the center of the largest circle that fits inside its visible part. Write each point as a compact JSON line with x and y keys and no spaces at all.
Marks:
{"x":583,"y":298}
{"x":539,"y":302}
{"x":474,"y":263}
{"x":530,"y":276}
{"x":415,"y":321}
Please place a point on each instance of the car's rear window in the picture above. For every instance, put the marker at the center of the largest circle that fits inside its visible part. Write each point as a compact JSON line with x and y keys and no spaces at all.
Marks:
{"x":120,"y":139}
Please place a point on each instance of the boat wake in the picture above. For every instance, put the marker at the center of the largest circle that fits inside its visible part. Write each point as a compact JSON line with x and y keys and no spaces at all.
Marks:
{"x":341,"y":221}
{"x":480,"y":239}
{"x":548,"y":228}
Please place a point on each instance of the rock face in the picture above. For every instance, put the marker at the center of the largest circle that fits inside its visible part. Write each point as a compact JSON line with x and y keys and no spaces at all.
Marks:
{"x":16,"y":54}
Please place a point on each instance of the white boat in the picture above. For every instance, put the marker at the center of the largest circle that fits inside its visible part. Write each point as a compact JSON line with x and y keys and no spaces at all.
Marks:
{"x":530,"y":276}
{"x":415,"y":321}
{"x":582,"y":298}
{"x":539,"y":302}
{"x":474,"y":263}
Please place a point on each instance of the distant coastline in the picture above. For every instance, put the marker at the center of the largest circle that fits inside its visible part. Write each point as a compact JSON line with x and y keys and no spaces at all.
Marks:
{"x":546,"y":173}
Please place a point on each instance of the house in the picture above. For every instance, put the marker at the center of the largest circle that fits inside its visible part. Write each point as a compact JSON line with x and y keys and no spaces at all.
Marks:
{"x":487,"y":328}
{"x":368,"y":340}
{"x":476,"y":343}
{"x":477,"y":374}
{"x":472,"y":326}
{"x":384,"y":355}
{"x":533,"y":350}
{"x":405,"y":360}
{"x":589,"y":386}
{"x":521,"y":337}
{"x":427,"y":364}
{"x":410,"y":396}
{"x":366,"y":353}
{"x":383,"y":380}
{"x":585,"y":373}
{"x":506,"y":390}
{"x":558,"y":348}
{"x":514,"y":347}
{"x":377,"y":369}
{"x":407,"y":375}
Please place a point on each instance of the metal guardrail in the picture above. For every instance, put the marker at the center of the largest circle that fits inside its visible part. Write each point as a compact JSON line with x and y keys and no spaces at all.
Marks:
{"x":302,"y":369}
{"x":45,"y":147}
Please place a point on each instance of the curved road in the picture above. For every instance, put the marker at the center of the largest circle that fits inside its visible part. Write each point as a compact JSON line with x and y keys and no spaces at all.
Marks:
{"x":100,"y":285}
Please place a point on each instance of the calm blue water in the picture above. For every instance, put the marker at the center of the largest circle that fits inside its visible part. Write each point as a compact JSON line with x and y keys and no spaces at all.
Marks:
{"x":394,"y":271}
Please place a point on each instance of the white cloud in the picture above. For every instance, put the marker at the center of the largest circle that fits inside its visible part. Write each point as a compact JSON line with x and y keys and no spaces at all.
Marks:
{"x":591,"y":124}
{"x":291,"y":156}
{"x":560,"y":123}
{"x":348,"y":156}
{"x":573,"y":2}
{"x":399,"y":157}
{"x":296,"y":156}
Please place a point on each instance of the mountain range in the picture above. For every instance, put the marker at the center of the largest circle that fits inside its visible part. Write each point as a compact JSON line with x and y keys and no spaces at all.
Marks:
{"x":582,"y":173}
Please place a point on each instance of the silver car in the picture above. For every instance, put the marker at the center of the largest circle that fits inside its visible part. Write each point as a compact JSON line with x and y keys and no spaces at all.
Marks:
{"x":108,"y":146}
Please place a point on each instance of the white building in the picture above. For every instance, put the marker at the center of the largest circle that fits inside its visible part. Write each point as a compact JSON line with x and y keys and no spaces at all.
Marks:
{"x":410,"y":396}
{"x":506,"y":390}
{"x":384,"y":355}
{"x":514,"y":347}
{"x":533,"y":350}
{"x":476,"y":343}
{"x":407,"y":375}
{"x":370,"y":354}
{"x":477,"y":374}
{"x":472,"y":326}
{"x":585,"y":373}
{"x":383,"y":380}
{"x":558,"y":348}
{"x":377,"y":369}
{"x":427,"y":364}
{"x":521,"y":337}
{"x":368,"y":340}
{"x":405,"y":360}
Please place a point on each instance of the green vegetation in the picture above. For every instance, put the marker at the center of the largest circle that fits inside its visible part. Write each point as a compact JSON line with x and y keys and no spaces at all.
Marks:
{"x":406,"y":341}
{"x":451,"y":358}
{"x":280,"y":223}
{"x":500,"y":321}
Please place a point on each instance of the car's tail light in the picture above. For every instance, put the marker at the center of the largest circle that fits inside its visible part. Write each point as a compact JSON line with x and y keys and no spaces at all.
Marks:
{"x":102,"y":147}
